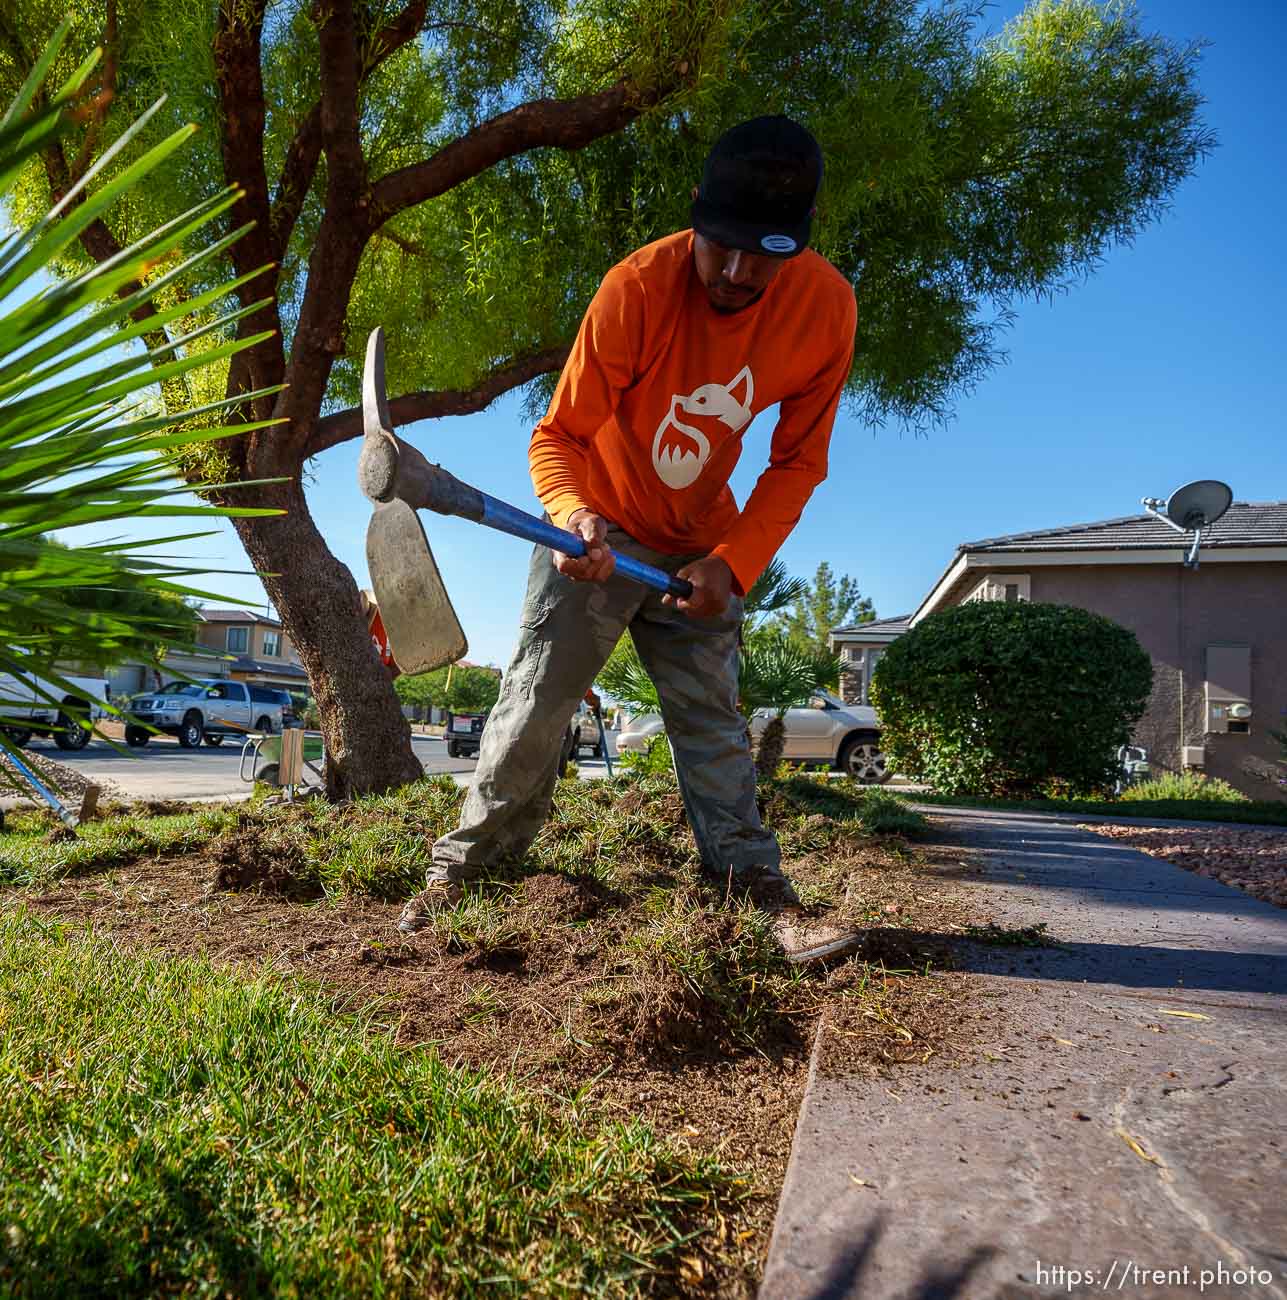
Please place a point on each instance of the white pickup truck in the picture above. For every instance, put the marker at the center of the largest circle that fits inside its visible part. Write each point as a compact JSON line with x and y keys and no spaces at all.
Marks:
{"x":207,"y":710}
{"x":25,"y":710}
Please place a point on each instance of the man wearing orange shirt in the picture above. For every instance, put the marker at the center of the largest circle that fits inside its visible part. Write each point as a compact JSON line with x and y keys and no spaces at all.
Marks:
{"x":684,"y":342}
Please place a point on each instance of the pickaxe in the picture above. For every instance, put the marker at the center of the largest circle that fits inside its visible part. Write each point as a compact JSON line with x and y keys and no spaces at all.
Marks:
{"x":424,"y":632}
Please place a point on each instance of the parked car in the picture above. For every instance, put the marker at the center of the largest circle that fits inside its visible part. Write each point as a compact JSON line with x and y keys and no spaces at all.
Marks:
{"x":826,"y":731}
{"x":25,"y":711}
{"x":585,"y":730}
{"x":464,"y":733}
{"x":206,"y":710}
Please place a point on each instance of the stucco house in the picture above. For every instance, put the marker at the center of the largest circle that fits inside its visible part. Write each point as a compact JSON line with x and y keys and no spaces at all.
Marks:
{"x":260,"y":649}
{"x":1217,"y":634}
{"x":860,"y":646}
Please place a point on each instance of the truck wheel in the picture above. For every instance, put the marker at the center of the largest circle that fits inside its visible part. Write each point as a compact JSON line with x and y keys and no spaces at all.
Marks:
{"x":214,"y":740}
{"x":453,"y":750}
{"x":861,"y":758}
{"x":70,"y":734}
{"x":191,"y":731}
{"x":265,"y":725}
{"x":17,"y":736}
{"x":136,"y":737}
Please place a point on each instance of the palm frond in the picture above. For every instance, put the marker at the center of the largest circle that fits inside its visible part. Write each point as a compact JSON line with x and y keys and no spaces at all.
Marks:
{"x":778,"y":673}
{"x":74,"y":448}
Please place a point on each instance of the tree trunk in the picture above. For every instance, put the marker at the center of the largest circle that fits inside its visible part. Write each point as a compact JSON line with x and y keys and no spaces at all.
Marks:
{"x":368,"y":741}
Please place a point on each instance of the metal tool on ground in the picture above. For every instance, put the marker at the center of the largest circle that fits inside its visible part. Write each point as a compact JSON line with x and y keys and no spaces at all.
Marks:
{"x":424,"y":632}
{"x":281,"y":760}
{"x":89,"y":800}
{"x":593,"y":701}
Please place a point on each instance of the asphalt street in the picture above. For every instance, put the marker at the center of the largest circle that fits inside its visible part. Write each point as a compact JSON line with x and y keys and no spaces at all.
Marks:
{"x":163,"y":769}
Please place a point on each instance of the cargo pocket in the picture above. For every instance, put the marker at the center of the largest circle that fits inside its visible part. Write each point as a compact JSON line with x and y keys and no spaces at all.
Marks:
{"x":532,"y":655}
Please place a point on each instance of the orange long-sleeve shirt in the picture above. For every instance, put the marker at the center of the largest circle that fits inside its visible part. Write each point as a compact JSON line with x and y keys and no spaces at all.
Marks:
{"x":645,"y":427}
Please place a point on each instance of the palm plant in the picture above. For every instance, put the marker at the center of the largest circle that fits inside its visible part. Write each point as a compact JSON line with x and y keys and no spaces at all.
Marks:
{"x":82,"y":440}
{"x":778,"y":673}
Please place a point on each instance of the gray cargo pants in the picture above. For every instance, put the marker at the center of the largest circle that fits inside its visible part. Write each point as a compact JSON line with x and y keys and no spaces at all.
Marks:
{"x":567,"y":630}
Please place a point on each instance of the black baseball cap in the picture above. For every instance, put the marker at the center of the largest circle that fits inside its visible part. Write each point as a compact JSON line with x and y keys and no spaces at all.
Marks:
{"x":759,"y":186}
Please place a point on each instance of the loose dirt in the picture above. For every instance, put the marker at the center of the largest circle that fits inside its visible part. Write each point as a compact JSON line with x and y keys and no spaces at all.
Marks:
{"x":565,"y":984}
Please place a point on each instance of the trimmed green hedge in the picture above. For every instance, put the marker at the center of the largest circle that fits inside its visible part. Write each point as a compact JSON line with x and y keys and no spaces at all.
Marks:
{"x":1012,"y":700}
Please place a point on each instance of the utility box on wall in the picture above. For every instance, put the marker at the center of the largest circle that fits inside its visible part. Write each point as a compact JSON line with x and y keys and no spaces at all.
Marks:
{"x":1228,"y":688}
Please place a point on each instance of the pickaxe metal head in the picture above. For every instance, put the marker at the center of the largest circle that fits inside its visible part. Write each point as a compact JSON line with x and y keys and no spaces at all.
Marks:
{"x":424,"y":632}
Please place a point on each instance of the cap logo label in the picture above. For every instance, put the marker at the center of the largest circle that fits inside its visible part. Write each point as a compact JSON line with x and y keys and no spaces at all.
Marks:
{"x":778,"y":244}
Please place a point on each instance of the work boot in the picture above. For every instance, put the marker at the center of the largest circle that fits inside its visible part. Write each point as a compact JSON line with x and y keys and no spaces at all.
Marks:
{"x":806,"y":940}
{"x":436,"y":896}
{"x":769,"y":890}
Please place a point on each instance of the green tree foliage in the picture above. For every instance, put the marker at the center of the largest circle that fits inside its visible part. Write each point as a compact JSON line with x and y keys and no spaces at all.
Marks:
{"x":73,"y":451}
{"x":465,"y":689}
{"x":1011,"y":699}
{"x":823,"y":605}
{"x":464,"y":174}
{"x":162,"y":617}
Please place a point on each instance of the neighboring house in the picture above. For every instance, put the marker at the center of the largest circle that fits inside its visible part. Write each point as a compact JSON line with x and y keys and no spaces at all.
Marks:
{"x":261,"y":652}
{"x":1217,"y":634}
{"x":133,"y":678}
{"x":860,"y":646}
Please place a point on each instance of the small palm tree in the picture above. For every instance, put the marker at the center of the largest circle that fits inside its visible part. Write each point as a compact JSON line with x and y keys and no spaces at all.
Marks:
{"x":778,"y":673}
{"x":78,"y":442}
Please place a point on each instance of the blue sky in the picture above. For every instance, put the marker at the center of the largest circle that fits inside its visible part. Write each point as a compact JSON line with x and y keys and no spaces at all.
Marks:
{"x":1165,"y":366}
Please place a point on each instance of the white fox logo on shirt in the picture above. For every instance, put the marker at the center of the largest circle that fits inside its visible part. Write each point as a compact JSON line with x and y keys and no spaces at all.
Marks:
{"x":680,"y":449}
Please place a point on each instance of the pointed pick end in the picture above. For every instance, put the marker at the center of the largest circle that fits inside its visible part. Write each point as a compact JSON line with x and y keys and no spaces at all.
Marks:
{"x":375,"y":400}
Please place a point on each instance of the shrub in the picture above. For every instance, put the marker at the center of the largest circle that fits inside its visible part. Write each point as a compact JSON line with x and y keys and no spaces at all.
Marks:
{"x":1185,"y":785}
{"x":1009,"y":699}
{"x":655,"y":762}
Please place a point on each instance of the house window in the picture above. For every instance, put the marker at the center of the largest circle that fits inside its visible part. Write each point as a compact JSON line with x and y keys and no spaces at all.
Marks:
{"x":1002,"y":586}
{"x":272,"y":644}
{"x":237,"y":640}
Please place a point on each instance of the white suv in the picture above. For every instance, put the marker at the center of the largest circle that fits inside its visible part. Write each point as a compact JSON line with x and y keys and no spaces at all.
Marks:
{"x":826,"y":730}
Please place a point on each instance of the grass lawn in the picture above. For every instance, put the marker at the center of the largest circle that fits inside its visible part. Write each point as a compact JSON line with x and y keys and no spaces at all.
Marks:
{"x":1265,"y":812}
{"x":226,"y":1072}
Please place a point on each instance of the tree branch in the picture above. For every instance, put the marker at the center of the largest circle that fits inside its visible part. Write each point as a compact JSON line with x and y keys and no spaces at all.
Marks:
{"x":239,"y":78}
{"x":296,"y":178}
{"x":341,"y":75}
{"x":106,"y":91}
{"x":334,"y":429}
{"x":306,"y":147}
{"x":549,"y":123}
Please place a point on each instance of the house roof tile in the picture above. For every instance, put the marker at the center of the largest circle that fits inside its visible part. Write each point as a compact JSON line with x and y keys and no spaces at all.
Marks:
{"x":1244,"y":524}
{"x":236,"y":616}
{"x":897,"y":624}
{"x":245,"y":664}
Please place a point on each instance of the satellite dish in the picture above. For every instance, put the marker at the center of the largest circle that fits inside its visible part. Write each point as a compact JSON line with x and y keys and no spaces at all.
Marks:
{"x":1192,"y":508}
{"x":1200,"y":504}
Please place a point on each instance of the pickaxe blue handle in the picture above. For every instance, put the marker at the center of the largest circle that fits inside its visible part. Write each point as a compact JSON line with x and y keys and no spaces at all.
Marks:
{"x":389,"y":468}
{"x":508,"y":519}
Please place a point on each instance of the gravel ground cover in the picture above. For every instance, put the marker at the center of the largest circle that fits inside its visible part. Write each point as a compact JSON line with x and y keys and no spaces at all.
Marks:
{"x":66,"y":782}
{"x":1253,"y":860}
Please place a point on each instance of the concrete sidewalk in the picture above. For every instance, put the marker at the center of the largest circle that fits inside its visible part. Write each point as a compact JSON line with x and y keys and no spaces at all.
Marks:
{"x":1098,"y":1143}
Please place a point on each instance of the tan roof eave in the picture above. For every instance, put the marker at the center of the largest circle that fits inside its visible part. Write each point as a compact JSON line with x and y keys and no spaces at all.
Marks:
{"x":1118,"y":555}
